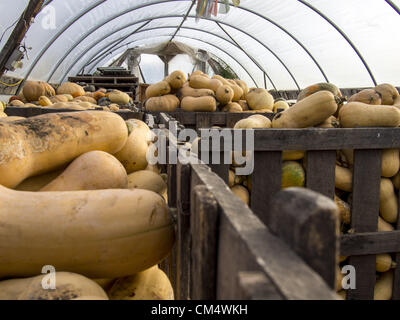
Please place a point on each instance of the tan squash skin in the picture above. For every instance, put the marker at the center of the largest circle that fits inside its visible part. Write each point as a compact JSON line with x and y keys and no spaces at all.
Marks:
{"x":293,"y":155}
{"x":176,"y":79}
{"x":244,"y":87}
{"x":147,"y":180}
{"x":151,"y":284}
{"x":68,"y":286}
{"x":396,"y":180}
{"x":12,"y":119}
{"x":309,"y":112}
{"x":201,"y":104}
{"x":158,"y":89}
{"x":225,"y":94}
{"x":388,"y":92}
{"x":96,"y":170}
{"x":232,"y":107}
{"x":133,"y":155}
{"x":242,"y":193}
{"x":358,"y":114}
{"x":254,"y":122}
{"x":260,"y":99}
{"x":244,"y":105}
{"x":368,"y":96}
{"x":238,"y":91}
{"x":384,"y":262}
{"x":36,"y":183}
{"x":280,"y":106}
{"x":388,"y":204}
{"x":33,"y":90}
{"x":343,"y":179}
{"x":85,"y":99}
{"x":168,"y":103}
{"x":384,"y":226}
{"x":384,"y":286}
{"x":73,"y":89}
{"x":41,"y":144}
{"x":44,"y":101}
{"x":195,"y":93}
{"x":118,"y":97}
{"x":201,"y":82}
{"x":390,"y":162}
{"x":98,"y":234}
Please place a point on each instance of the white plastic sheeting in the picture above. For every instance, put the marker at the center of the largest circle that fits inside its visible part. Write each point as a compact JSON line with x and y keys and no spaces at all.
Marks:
{"x":285,"y":43}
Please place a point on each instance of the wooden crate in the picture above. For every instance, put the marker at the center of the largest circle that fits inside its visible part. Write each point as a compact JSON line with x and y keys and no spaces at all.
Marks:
{"x":321,"y":146}
{"x":224,"y":251}
{"x":32,"y":112}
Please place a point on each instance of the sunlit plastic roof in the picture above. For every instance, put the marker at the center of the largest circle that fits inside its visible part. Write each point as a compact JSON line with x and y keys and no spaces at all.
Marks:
{"x":287,"y":44}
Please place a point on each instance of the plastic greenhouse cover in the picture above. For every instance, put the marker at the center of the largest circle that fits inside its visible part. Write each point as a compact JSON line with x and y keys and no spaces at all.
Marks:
{"x":287,"y":43}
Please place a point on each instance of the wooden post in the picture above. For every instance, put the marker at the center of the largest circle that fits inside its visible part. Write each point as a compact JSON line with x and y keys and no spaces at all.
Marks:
{"x":204,"y":231}
{"x":18,"y":34}
{"x":309,"y":223}
{"x":256,"y":286}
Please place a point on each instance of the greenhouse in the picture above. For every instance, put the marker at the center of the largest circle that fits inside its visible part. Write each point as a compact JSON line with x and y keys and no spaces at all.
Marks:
{"x":200,"y":150}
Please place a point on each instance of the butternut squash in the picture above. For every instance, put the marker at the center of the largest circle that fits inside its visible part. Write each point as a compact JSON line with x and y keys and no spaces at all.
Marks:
{"x":147,"y":180}
{"x":396,"y":180}
{"x":259,"y":99}
{"x":384,"y":226}
{"x":388,"y":205}
{"x":293,"y":155}
{"x":60,"y":98}
{"x":201,"y":104}
{"x":41,"y":144}
{"x":280,"y":106}
{"x":133,"y":155}
{"x":368,"y":96}
{"x":242,"y":84}
{"x":161,"y":88}
{"x":68,"y":286}
{"x":33,"y":90}
{"x":114,"y":107}
{"x":96,"y":170}
{"x":319,"y":87}
{"x":200,"y":82}
{"x":73,"y":89}
{"x":85,"y":99}
{"x":151,"y":284}
{"x":11,"y":119}
{"x":358,"y":114}
{"x":244,"y":105}
{"x":384,"y":286}
{"x":331,"y":122}
{"x":344,"y":209}
{"x":308,"y":112}
{"x":242,"y":193}
{"x":343,"y":179}
{"x":388,"y":92}
{"x":232,"y":177}
{"x":44,"y":101}
{"x":237,"y":90}
{"x":167,"y":103}
{"x":232,"y":107}
{"x":195,"y":93}
{"x":225,"y":94}
{"x":36,"y":183}
{"x":384,"y":262}
{"x":16,"y":103}
{"x":176,"y":79}
{"x":253,"y":122}
{"x":390,"y":162}
{"x":118,"y":97}
{"x":99,"y":234}
{"x":339,"y":279}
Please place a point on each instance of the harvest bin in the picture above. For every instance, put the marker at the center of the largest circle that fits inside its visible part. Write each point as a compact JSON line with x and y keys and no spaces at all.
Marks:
{"x":224,"y":251}
{"x":364,"y":243}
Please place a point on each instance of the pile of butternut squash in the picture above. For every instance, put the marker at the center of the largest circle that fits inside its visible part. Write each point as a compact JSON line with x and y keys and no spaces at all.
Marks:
{"x":200,"y":93}
{"x":322,"y":105}
{"x":77,"y":194}
{"x":36,"y":94}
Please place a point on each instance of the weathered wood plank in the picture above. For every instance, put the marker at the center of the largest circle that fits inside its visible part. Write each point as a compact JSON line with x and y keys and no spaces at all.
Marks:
{"x":396,"y":279}
{"x":256,"y":286}
{"x":370,"y":243}
{"x":203,"y":121}
{"x":309,"y":223}
{"x":266,"y":182}
{"x":321,"y":172}
{"x":364,"y":217}
{"x":245,"y":243}
{"x":183,"y":233}
{"x":204,"y":231}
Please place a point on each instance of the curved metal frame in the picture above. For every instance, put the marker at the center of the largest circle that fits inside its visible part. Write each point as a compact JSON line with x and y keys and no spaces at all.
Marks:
{"x":202,"y":41}
{"x":51,"y":42}
{"x":155,"y":18}
{"x":391,"y":3}
{"x":245,"y":9}
{"x":344,"y":35}
{"x":177,"y":16}
{"x":150,"y":29}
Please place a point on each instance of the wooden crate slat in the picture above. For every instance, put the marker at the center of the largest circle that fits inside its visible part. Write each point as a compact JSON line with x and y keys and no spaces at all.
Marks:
{"x":370,"y":243}
{"x":266,"y":182}
{"x":256,"y":286}
{"x":204,"y":232}
{"x":247,"y":244}
{"x":364,"y":217}
{"x":321,"y":172}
